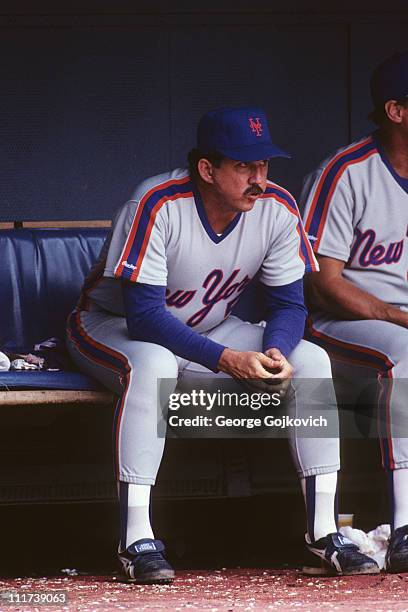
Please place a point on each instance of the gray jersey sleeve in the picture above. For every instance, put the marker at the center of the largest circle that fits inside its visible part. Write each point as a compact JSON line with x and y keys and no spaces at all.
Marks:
{"x":329,"y":223}
{"x":284,"y":262}
{"x":137,"y":249}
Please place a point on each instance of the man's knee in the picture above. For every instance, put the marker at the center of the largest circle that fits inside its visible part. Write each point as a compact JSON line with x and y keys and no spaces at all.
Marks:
{"x":397,"y":354}
{"x":149,"y":362}
{"x":310,"y":361}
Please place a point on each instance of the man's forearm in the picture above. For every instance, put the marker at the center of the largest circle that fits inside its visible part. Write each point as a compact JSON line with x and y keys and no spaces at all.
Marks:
{"x":286,"y":316}
{"x":148,"y":320}
{"x":285,"y":329}
{"x":338,"y":296}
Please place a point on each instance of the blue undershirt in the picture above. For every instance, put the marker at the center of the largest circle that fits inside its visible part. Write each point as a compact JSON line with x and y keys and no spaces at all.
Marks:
{"x":149,"y":320}
{"x":285,"y":317}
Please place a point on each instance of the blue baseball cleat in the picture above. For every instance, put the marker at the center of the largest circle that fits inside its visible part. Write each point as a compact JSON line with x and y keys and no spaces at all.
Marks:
{"x":144,"y":563}
{"x":396,"y":559}
{"x":338,"y":557}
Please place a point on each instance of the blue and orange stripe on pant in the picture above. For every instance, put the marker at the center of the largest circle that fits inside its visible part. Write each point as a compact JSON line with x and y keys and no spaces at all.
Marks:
{"x":108,"y":358}
{"x":350,"y":353}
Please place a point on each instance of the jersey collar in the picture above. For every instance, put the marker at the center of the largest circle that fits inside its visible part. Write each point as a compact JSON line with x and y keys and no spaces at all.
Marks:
{"x":204,"y":220}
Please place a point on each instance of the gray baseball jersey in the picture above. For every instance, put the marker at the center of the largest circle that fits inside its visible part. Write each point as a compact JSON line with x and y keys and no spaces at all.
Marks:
{"x":356,"y":210}
{"x":162,"y":237}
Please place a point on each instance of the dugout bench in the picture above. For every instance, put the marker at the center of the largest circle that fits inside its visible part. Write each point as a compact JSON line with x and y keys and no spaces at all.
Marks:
{"x":41,"y":273}
{"x":42,"y":268}
{"x":56,"y":426}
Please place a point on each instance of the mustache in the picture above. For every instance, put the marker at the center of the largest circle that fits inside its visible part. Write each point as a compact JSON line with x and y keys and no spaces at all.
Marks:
{"x":253,"y":190}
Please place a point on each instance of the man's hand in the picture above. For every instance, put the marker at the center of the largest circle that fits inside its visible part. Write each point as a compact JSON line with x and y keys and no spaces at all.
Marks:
{"x":246,"y":364}
{"x":269,"y":372}
{"x":331,"y":292}
{"x":282,"y":372}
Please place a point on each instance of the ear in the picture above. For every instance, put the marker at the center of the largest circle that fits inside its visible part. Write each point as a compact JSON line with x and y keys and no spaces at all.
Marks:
{"x":205,"y":170}
{"x":393,"y":110}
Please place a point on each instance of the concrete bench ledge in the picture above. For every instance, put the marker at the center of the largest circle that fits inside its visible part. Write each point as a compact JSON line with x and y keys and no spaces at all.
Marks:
{"x":20,"y":398}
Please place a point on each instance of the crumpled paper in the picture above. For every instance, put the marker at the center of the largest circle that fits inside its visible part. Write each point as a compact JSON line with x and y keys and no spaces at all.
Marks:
{"x":4,"y":362}
{"x":28,"y":362}
{"x":70,"y":572}
{"x":374,"y":543}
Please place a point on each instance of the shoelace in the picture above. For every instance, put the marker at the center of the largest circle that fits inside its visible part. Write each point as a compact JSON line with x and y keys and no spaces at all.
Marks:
{"x":348,"y":550}
{"x":345,"y":547}
{"x":153,"y":557}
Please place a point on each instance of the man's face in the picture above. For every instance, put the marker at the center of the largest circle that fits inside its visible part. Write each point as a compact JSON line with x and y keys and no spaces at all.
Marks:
{"x":404,"y":120}
{"x":397,"y":115}
{"x":238,"y":184}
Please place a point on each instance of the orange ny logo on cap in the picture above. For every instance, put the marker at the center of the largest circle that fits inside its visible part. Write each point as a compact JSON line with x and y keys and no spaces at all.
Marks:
{"x":256,"y":126}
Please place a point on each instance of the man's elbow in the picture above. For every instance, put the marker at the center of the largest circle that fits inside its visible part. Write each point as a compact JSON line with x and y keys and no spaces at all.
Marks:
{"x":315,"y":288}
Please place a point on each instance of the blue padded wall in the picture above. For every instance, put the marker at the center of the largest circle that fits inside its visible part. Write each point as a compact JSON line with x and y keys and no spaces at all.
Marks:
{"x":371,"y":44}
{"x":84,"y":116}
{"x":282,"y":69}
{"x":89,"y":110}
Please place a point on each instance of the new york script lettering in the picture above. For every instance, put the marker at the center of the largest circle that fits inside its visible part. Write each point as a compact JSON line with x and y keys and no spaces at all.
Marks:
{"x":371,"y":254}
{"x":216,"y":291}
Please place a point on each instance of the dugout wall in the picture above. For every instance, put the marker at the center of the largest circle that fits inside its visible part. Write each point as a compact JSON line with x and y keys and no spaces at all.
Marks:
{"x":98,"y":95}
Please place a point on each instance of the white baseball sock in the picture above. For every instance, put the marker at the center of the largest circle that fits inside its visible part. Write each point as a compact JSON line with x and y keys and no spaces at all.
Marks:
{"x":319,"y":493}
{"x":399,"y":496}
{"x":135,"y":515}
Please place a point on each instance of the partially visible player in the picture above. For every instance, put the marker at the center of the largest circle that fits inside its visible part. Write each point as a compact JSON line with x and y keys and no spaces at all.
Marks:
{"x":356,"y":216}
{"x":158,"y":305}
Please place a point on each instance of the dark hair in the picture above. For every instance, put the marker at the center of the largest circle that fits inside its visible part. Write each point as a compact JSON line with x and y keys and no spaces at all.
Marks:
{"x":379,"y":116}
{"x":194,"y":157}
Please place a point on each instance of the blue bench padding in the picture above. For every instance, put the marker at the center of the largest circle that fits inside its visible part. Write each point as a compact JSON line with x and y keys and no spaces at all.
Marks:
{"x":71,"y":381}
{"x":41,"y":273}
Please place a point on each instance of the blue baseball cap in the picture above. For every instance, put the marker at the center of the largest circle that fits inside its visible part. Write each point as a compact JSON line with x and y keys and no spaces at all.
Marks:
{"x":241,"y":134}
{"x":389,"y":80}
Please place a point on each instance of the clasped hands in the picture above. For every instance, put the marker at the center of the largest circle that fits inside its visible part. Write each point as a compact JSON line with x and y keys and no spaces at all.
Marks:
{"x":269,"y":371}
